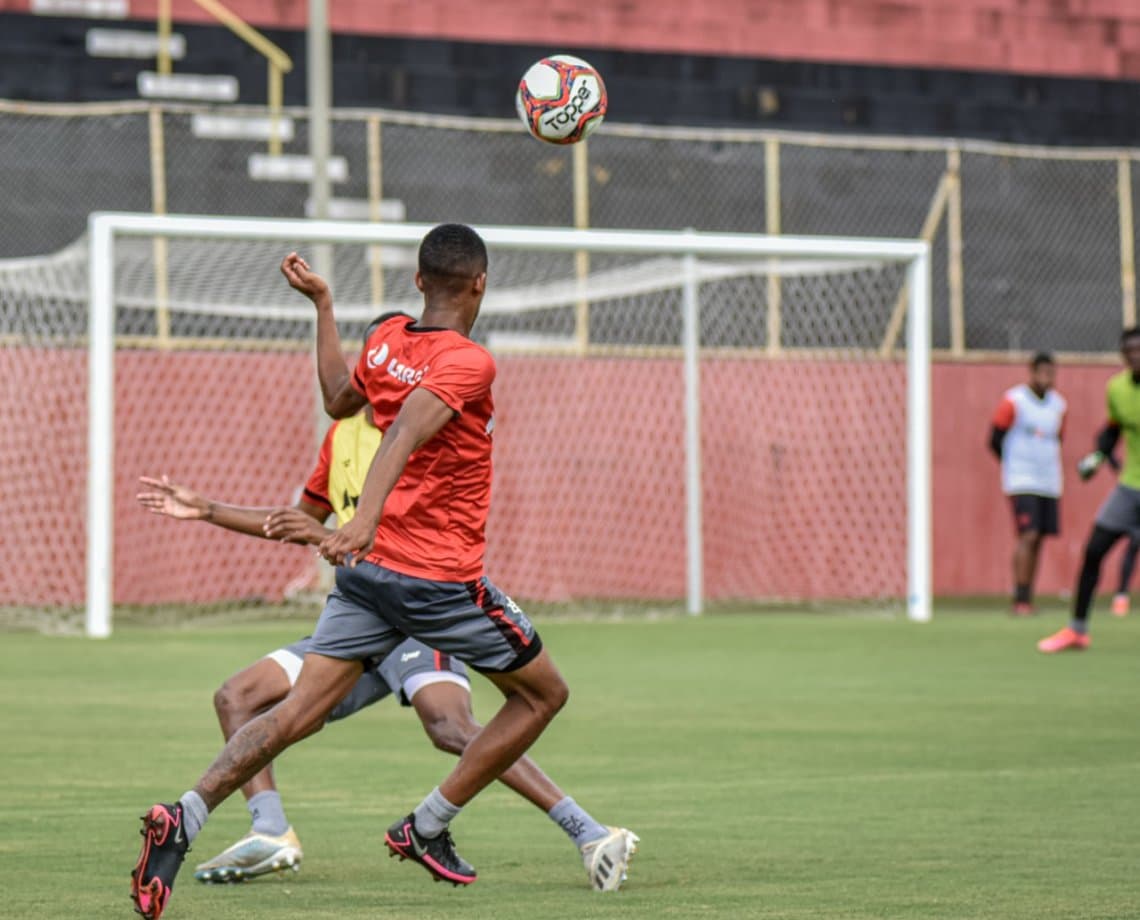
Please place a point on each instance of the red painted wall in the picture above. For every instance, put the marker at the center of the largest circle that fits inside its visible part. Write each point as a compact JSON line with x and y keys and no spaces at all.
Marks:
{"x":973,"y":533}
{"x":1089,"y":38}
{"x":803,"y":467}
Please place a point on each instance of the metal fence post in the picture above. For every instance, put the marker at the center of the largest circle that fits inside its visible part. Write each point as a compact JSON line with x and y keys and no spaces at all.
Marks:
{"x":375,"y":195}
{"x":1127,"y":241}
{"x":772,"y":228}
{"x":159,"y":245}
{"x":581,"y":166}
{"x":954,"y":276}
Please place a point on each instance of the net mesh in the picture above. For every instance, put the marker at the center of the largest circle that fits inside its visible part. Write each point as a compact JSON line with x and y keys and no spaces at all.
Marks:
{"x":802,"y":435}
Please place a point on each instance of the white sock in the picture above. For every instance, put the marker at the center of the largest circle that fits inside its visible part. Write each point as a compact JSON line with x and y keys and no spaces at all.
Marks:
{"x":434,"y":813}
{"x":577,"y":822}
{"x":194,"y":813}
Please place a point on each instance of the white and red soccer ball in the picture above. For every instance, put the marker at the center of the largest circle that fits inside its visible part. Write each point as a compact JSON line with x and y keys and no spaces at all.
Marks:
{"x":561,"y":99}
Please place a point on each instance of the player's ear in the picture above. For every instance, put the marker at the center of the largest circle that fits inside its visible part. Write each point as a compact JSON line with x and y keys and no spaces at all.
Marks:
{"x":479,"y":285}
{"x":419,"y":282}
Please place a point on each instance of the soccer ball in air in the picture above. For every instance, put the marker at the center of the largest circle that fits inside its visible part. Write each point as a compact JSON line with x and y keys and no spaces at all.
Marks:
{"x":561,"y":99}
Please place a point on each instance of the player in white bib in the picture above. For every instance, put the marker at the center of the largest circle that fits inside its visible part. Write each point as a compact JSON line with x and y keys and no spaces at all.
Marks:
{"x":1026,"y":436}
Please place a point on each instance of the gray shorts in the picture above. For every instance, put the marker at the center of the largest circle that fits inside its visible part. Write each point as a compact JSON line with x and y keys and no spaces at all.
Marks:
{"x":373,"y":609}
{"x":410,"y":667}
{"x":1120,"y":512}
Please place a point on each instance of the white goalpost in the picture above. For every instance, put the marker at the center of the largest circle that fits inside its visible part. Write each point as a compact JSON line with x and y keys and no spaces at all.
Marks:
{"x":796,"y":392}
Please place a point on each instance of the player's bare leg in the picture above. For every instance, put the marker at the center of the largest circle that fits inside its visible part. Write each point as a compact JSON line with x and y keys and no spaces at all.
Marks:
{"x":445,"y":711}
{"x":271,"y":844}
{"x":534,"y":695}
{"x":168,"y":830}
{"x":322,"y":683}
{"x":242,"y":698}
{"x":1025,"y":558}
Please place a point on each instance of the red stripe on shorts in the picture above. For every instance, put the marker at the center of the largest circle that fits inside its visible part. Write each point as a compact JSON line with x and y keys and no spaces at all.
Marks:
{"x":510,"y":630}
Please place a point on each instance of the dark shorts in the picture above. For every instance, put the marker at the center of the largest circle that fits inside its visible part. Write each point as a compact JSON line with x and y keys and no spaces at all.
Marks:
{"x":373,"y":609}
{"x":1120,"y":512}
{"x":410,"y":667}
{"x":1036,"y":513}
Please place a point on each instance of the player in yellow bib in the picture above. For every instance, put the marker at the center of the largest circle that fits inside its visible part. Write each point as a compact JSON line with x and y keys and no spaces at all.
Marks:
{"x":434,"y":684}
{"x":1120,"y":514}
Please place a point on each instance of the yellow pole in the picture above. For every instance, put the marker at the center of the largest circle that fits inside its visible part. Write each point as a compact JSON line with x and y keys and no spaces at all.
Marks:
{"x":772,"y":215}
{"x":247,"y":33}
{"x":158,"y":204}
{"x":581,"y":164}
{"x":375,"y":195}
{"x":929,"y":228}
{"x":164,"y":36}
{"x":954,"y":276}
{"x":1127,"y":241}
{"x":275,"y":91}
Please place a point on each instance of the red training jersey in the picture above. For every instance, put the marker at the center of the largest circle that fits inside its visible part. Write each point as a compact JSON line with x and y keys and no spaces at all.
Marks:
{"x":434,"y":520}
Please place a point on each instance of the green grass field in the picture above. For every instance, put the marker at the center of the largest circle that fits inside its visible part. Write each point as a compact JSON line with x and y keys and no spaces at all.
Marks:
{"x":775,"y":766}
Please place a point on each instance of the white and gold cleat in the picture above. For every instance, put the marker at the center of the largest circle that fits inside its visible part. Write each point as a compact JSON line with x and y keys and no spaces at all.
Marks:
{"x":255,"y":854}
{"x":607,"y":859}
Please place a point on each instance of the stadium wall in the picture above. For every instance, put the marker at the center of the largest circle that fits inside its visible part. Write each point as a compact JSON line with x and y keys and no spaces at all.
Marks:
{"x":1015,"y":70}
{"x":258,"y":449}
{"x":1088,"y":39}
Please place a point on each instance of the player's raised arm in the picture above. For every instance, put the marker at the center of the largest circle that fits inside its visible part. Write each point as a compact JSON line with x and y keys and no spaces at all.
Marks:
{"x":419,"y":420}
{"x":300,"y":524}
{"x":340,"y":398}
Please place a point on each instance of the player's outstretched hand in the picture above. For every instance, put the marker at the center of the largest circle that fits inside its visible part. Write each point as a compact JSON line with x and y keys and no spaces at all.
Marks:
{"x":161,"y":496}
{"x":1089,"y":464}
{"x":350,"y":544}
{"x":292,"y":525}
{"x":302,"y":278}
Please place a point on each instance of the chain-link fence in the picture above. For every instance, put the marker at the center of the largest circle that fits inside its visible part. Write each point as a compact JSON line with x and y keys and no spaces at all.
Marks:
{"x":1033,"y":248}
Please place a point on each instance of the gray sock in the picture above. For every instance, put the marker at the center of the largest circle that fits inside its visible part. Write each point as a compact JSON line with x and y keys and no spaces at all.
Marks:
{"x":194,"y":813}
{"x":434,"y":813}
{"x":268,"y":814}
{"x":576,"y":821}
{"x":1079,"y":626}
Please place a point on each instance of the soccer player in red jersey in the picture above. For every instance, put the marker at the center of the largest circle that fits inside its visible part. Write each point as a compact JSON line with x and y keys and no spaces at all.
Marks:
{"x":436,"y":686}
{"x":410,"y":563}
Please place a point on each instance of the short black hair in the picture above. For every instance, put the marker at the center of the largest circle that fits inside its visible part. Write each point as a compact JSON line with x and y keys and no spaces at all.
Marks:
{"x":452,"y":254}
{"x":1042,"y":357}
{"x":382,"y":318}
{"x":1131,"y":332}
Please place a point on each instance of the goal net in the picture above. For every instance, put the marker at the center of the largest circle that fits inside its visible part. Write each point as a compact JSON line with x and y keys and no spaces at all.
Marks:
{"x":680,"y":417}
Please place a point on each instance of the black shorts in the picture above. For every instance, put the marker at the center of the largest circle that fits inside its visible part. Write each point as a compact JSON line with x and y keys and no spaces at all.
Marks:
{"x":1036,"y":513}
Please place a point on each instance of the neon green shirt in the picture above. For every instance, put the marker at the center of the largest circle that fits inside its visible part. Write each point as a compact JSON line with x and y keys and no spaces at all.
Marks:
{"x":1123,"y":398}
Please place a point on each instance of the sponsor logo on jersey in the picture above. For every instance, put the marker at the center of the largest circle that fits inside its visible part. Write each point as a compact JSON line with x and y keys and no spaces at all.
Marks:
{"x":378,"y":355}
{"x":396,"y":369}
{"x":408,"y":656}
{"x":406,"y":374}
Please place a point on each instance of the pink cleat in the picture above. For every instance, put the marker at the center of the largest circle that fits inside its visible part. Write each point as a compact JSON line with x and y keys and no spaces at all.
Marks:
{"x":1022,"y":609}
{"x":1120,"y":605}
{"x":1064,"y":640}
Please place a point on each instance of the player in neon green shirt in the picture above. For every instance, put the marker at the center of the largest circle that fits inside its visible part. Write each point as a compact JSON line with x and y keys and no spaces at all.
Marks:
{"x":1120,"y":513}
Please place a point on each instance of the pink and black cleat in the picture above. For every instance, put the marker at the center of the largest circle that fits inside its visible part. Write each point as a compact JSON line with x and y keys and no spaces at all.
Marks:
{"x":164,"y":847}
{"x":436,"y":854}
